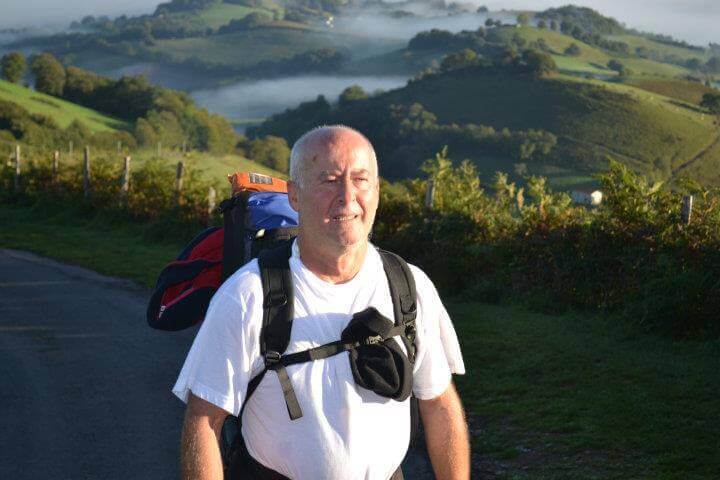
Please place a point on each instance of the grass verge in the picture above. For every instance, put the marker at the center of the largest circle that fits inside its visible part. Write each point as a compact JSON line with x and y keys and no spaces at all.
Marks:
{"x":571,"y":396}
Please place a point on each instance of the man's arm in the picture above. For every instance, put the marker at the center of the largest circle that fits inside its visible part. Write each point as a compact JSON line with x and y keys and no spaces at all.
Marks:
{"x":200,"y":450}
{"x":446,"y":435}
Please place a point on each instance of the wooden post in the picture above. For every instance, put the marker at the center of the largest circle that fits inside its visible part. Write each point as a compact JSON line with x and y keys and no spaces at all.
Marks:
{"x":430,"y":194}
{"x":686,"y":212}
{"x":56,"y":159}
{"x":125,"y":184}
{"x":86,"y":175}
{"x":210,"y":204}
{"x":159,"y":148}
{"x":17,"y":168}
{"x":70,"y":149}
{"x":179,"y":180}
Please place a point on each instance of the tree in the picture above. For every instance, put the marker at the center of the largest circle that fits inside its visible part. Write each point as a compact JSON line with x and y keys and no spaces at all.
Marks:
{"x":553,"y":25}
{"x":713,"y":65}
{"x":463,"y":58}
{"x":271,"y":151}
{"x":489,"y":22}
{"x":49,"y":74}
{"x":523,"y":18}
{"x":350,"y":94}
{"x":693,"y":63}
{"x":573,"y":50}
{"x":482,"y":9}
{"x":541,"y":24}
{"x":13,"y":67}
{"x":539,"y":63}
{"x":616,"y":65}
{"x":711,"y":101}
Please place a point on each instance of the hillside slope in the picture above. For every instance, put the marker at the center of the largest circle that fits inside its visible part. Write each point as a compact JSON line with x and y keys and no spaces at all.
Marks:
{"x":592,"y":119}
{"x":64,"y":113}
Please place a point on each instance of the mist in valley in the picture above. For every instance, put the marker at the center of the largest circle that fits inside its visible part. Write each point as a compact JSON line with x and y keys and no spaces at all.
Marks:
{"x":254,"y":100}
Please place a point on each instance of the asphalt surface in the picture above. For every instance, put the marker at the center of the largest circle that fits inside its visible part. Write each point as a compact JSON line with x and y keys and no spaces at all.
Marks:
{"x":84,"y":382}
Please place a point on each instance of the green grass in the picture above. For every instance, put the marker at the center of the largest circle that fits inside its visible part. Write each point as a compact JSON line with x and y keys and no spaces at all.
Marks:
{"x":278,"y":41}
{"x":591,"y":118}
{"x":579,"y":396}
{"x":221,"y":13}
{"x":635,"y":41}
{"x":245,"y":48}
{"x":687,"y":91}
{"x":591,"y":59}
{"x":212,"y":167}
{"x":556,"y":397}
{"x":72,"y":236}
{"x":63,"y":112}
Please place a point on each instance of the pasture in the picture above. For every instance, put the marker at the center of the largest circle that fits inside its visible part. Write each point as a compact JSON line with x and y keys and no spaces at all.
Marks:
{"x":64,"y":113}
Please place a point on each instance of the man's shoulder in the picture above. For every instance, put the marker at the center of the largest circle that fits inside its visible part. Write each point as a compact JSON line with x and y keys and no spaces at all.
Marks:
{"x":244,"y":283}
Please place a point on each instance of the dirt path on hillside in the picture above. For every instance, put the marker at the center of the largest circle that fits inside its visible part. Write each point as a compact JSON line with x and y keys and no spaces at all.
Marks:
{"x":697,"y":157}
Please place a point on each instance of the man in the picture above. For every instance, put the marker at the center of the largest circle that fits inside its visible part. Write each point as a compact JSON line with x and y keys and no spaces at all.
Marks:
{"x":346,"y":432}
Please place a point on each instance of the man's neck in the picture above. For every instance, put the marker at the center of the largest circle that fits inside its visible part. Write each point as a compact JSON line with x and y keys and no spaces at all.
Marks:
{"x":332,"y":266}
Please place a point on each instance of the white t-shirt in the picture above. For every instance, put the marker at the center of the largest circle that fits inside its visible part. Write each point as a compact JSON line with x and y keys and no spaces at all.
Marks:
{"x":346,"y":431}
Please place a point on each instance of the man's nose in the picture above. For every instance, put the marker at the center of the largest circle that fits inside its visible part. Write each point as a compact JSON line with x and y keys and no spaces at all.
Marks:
{"x":347,"y":192}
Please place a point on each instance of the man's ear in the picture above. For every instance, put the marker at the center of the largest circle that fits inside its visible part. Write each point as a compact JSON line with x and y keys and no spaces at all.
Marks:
{"x":293,"y":194}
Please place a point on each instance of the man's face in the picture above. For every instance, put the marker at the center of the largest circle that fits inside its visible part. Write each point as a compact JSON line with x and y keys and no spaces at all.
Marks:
{"x":339,"y":196}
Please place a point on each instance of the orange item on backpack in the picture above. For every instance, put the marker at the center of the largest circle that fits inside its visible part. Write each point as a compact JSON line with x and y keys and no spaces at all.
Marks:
{"x":256,"y":182}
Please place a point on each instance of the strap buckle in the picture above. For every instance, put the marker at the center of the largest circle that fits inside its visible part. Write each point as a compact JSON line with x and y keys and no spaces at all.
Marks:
{"x":373,"y":340}
{"x":272,"y":358}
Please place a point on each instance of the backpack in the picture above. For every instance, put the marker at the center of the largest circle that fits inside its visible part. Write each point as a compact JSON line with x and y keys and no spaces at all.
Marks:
{"x":259,"y":222}
{"x":256,"y":216}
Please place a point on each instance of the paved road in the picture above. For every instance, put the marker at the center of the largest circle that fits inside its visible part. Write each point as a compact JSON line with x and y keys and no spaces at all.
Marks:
{"x":84,"y":383}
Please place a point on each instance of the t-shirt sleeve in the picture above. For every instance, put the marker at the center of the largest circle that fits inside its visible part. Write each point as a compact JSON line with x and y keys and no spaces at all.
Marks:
{"x":223,"y":357}
{"x":438,"y":353}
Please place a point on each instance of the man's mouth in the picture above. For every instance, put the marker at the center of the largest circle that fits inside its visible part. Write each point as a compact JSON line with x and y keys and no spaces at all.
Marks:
{"x":344,"y":218}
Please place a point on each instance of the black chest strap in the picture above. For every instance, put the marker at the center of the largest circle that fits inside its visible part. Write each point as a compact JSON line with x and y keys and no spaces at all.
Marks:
{"x":278,"y":317}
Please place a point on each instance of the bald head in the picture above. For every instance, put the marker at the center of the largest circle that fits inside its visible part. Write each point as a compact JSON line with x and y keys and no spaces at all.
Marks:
{"x":319,"y":141}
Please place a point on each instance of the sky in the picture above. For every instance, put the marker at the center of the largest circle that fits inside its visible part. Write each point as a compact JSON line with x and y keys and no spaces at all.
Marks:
{"x":695,"y":21}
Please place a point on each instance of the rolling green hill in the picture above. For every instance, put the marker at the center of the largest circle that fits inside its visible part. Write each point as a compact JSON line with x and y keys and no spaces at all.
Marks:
{"x":64,"y":113}
{"x":592,"y":119}
{"x":245,"y":48}
{"x":219,"y":14}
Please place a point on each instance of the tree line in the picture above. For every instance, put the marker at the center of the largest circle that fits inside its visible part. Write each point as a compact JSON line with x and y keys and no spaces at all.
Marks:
{"x":156,"y":114}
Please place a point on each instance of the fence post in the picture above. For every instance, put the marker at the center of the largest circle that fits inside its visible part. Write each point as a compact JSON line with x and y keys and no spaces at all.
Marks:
{"x":179,"y":180}
{"x":86,"y":174}
{"x":125,"y":185}
{"x":17,"y":168}
{"x":430,"y":194}
{"x":686,"y":212}
{"x":56,"y":159}
{"x":210,"y":204}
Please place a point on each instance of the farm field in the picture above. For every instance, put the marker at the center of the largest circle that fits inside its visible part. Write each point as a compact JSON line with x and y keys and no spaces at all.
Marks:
{"x":565,"y":396}
{"x":242,"y":49}
{"x":222,"y":13}
{"x":635,"y":41}
{"x":649,"y":130}
{"x":64,"y":113}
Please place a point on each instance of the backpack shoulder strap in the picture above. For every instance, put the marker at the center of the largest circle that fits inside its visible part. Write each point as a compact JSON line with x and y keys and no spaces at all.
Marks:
{"x":404,"y":296}
{"x":278,"y":315}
